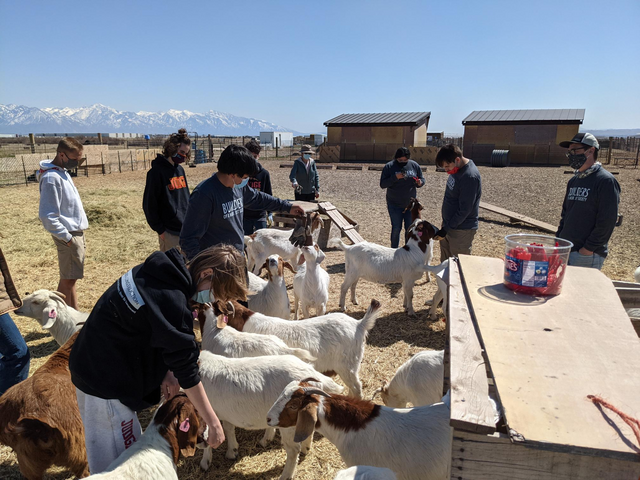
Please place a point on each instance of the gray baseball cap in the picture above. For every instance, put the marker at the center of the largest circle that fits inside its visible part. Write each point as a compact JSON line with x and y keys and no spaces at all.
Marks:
{"x":584,"y":138}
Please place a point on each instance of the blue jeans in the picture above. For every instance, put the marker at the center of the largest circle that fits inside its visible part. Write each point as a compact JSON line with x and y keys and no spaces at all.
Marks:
{"x":15,"y":357}
{"x":250,"y":225}
{"x":397,"y":217}
{"x":590,"y":261}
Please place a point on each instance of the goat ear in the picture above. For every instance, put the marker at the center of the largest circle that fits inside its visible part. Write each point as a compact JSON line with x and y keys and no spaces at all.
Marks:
{"x":264,"y":265}
{"x":187,"y":431}
{"x":307,"y":418}
{"x":301,"y":259}
{"x":289,"y":266}
{"x":40,"y":431}
{"x":49,"y":316}
{"x":222,"y":321}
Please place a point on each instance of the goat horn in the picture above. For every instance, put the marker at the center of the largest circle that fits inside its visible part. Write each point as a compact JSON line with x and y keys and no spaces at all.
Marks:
{"x":315,"y":391}
{"x":61,"y":295}
{"x":232,"y":309}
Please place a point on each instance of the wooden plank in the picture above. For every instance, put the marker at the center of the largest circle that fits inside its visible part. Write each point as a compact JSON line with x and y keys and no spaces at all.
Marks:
{"x":325,"y":207}
{"x":349,"y":167}
{"x":324,"y":166}
{"x":620,"y":283}
{"x":630,"y":297}
{"x":547,"y":227}
{"x":494,"y":457}
{"x":571,"y":171}
{"x":470,"y":407}
{"x":548,"y":353}
{"x":354,"y":236}
{"x":286,"y":165}
{"x":635,"y":321}
{"x":377,"y":168}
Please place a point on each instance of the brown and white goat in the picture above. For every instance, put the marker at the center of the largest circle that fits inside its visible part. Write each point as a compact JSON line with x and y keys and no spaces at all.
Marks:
{"x":415,"y":443}
{"x":176,"y":429}
{"x":41,"y":421}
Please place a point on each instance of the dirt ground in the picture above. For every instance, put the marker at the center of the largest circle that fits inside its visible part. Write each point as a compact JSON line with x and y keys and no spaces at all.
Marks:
{"x":119,"y":238}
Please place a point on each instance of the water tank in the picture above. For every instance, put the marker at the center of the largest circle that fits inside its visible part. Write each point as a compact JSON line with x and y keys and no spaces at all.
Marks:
{"x":500,"y":158}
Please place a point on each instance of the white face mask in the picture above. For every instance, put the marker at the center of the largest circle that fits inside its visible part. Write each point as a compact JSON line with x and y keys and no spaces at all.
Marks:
{"x":203,"y":296}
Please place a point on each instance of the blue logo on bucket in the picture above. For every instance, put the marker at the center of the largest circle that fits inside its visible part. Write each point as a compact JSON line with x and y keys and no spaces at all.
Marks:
{"x":527,"y":273}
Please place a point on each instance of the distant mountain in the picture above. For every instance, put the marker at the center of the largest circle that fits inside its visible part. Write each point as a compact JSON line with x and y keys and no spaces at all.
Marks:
{"x":614,"y":132}
{"x":100,"y":118}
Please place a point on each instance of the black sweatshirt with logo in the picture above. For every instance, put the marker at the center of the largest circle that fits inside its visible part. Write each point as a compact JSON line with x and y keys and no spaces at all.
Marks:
{"x":166,"y":196}
{"x":139,"y":329}
{"x":590,"y":211}
{"x":262,"y":183}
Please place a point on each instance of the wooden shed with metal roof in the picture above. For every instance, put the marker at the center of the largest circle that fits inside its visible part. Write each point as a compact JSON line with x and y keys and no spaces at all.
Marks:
{"x":530,"y":136}
{"x":376,"y":136}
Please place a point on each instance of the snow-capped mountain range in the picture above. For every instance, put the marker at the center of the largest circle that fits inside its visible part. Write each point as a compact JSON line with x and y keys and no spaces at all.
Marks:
{"x":21,"y":119}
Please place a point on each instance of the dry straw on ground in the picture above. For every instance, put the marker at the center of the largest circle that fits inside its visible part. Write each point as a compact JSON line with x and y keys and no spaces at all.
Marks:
{"x":119,"y":238}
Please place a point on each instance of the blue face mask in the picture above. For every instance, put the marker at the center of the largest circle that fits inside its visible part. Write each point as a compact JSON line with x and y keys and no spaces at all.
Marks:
{"x":203,"y":296}
{"x":306,"y":156}
{"x":242,"y":184}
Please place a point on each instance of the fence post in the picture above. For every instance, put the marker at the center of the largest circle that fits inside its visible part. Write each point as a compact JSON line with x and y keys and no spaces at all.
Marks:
{"x":32,"y":142}
{"x":100,"y":138}
{"x":637,"y":153}
{"x":610,"y":149}
{"x":131,"y":158}
{"x":24,"y":169}
{"x":276,"y":146}
{"x":119,"y":164}
{"x":102,"y":162}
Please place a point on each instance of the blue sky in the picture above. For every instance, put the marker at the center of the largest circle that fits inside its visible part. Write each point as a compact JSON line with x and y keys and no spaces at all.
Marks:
{"x":299,"y":63}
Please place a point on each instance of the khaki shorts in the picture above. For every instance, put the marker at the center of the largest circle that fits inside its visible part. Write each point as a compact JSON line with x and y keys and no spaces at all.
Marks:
{"x":169,"y":241}
{"x":71,"y":258}
{"x":455,"y":243}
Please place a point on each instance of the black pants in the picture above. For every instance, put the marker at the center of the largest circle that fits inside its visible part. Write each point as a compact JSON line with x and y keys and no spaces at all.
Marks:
{"x":305,"y":197}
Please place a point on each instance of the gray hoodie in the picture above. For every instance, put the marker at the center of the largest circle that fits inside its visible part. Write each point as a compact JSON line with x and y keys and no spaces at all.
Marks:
{"x":61,"y":209}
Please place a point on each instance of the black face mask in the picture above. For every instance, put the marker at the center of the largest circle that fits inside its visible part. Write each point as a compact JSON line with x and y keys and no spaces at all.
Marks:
{"x":577,"y":161}
{"x":71,"y":163}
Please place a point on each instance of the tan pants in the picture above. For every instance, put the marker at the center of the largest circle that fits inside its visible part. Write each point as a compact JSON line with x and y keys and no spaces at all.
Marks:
{"x":71,"y":257}
{"x":455,"y":243}
{"x":169,"y":241}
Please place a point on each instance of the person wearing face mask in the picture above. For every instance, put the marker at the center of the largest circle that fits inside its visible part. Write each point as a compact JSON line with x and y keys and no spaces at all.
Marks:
{"x":138,"y":344}
{"x":304,"y":176}
{"x":216,"y":207}
{"x":590,"y":207}
{"x":166,"y":193}
{"x":62,"y":215}
{"x":461,"y":202}
{"x":261,"y":181}
{"x":401,"y":177}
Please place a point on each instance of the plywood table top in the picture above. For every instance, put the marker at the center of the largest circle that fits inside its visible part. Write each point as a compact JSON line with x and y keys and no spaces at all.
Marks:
{"x":547,"y":354}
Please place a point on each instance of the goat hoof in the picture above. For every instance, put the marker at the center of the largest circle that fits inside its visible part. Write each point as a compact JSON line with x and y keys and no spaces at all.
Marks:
{"x":231,"y":455}
{"x":204,"y":465}
{"x":263,"y":442}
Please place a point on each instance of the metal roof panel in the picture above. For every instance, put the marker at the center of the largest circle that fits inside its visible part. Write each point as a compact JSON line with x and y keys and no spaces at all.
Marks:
{"x":373,"y":118}
{"x":532,"y":115}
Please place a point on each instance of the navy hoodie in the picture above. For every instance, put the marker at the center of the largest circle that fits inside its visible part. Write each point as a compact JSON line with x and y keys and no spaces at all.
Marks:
{"x":166,"y":196}
{"x":139,"y":329}
{"x":400,"y":191}
{"x":262,"y":183}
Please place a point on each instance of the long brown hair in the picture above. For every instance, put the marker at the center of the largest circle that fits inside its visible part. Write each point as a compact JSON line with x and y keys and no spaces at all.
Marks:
{"x":229,"y":281}
{"x":172,"y":144}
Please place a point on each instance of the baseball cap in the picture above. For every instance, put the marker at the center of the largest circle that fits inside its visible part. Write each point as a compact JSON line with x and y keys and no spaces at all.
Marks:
{"x":584,"y":138}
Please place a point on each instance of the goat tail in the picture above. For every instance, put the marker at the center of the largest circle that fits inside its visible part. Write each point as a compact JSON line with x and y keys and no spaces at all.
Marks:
{"x":302,"y":354}
{"x":338,"y":243}
{"x":329,"y":386}
{"x":369,"y":320}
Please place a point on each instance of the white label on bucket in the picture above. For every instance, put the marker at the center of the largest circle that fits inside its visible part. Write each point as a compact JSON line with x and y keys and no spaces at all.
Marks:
{"x":534,"y":274}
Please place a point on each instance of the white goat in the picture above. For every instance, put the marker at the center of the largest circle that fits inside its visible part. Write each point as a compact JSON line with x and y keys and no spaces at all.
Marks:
{"x":221,"y":339}
{"x":636,"y":275}
{"x":241,"y":391}
{"x":415,"y":443}
{"x":388,"y":265}
{"x":256,"y":284}
{"x":53,"y":314}
{"x":362,"y":472}
{"x":266,"y":241}
{"x":441,"y":272}
{"x":273,"y":299}
{"x":176,"y":429}
{"x":419,"y":381}
{"x":310,"y":284}
{"x":335,"y":339}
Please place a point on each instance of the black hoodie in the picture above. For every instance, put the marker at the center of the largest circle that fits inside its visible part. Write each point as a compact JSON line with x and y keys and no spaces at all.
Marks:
{"x":261,"y":182}
{"x":139,"y":329}
{"x":166,"y":196}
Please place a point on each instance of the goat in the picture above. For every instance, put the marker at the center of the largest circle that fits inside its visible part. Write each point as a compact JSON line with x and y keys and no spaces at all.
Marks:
{"x":311,"y":284}
{"x":388,"y":265}
{"x":636,"y":275}
{"x":41,"y":421}
{"x":176,"y":429}
{"x":419,"y":381}
{"x":273,"y":299}
{"x":221,"y":339}
{"x":241,"y":391}
{"x":362,"y":472}
{"x":416,"y":213}
{"x":267,"y":241}
{"x":441,"y":273}
{"x":53,"y":314}
{"x":415,"y":443}
{"x":255,"y":283}
{"x":336,"y":340}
